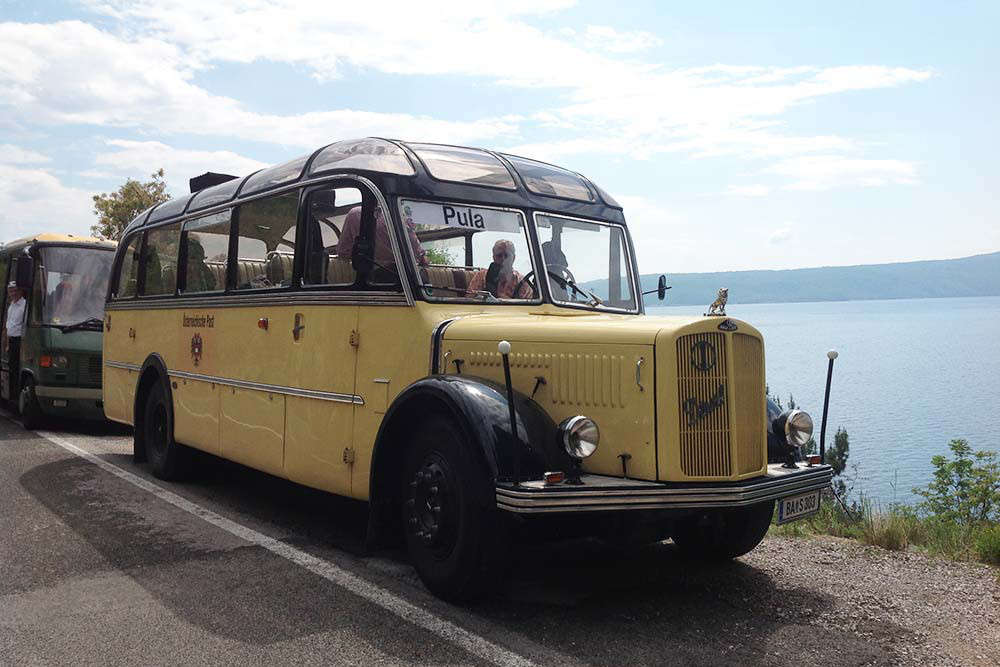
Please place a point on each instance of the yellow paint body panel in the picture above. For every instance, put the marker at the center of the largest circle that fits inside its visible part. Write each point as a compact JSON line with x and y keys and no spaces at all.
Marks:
{"x":589,"y":362}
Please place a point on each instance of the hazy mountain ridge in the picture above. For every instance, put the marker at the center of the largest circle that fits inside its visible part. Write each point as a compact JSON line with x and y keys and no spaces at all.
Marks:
{"x":978,"y":275}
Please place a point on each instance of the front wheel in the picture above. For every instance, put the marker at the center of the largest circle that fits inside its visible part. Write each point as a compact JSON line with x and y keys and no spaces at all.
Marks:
{"x":724,"y":534}
{"x":27,"y":405}
{"x":168,"y":459}
{"x":454,"y":533}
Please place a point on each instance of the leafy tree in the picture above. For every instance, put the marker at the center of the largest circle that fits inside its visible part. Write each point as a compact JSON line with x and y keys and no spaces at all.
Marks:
{"x":439,"y":256}
{"x":115,"y":210}
{"x":965,"y":489}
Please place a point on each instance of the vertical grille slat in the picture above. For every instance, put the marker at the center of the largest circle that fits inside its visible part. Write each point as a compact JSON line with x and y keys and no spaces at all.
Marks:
{"x":705,"y":449}
{"x":748,"y":357}
{"x":91,"y":371}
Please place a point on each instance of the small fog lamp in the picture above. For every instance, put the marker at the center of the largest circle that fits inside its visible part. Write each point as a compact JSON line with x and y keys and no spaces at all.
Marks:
{"x":580,"y":436}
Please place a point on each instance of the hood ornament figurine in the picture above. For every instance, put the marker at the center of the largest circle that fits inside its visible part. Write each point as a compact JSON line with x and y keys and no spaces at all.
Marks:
{"x":718,"y":306}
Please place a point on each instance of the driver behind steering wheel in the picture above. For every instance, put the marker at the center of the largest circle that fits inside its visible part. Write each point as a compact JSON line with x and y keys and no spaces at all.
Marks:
{"x":557,"y":265}
{"x":501,"y":280}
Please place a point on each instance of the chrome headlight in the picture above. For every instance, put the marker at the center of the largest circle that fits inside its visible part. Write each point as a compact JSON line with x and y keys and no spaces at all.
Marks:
{"x":580,"y":436}
{"x":796,"y":425}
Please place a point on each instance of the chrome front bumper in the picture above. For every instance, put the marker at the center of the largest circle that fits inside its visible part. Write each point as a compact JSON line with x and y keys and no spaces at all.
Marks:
{"x":601,"y":493}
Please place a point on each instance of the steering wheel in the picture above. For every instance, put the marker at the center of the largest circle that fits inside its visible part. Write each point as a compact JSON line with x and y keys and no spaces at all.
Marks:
{"x":522,"y":281}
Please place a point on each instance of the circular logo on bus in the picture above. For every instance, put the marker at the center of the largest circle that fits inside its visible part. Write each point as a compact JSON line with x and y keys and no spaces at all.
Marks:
{"x":196,"y":348}
{"x":703,"y":356}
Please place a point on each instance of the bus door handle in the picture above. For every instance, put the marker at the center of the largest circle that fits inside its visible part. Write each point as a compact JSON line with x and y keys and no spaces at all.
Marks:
{"x":299,"y":326}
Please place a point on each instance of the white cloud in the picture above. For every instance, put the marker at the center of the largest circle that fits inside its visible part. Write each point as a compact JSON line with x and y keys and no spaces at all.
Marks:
{"x":141,"y":76}
{"x":33,"y":200}
{"x":748,"y":190}
{"x":138,"y":159}
{"x":10,"y":154}
{"x":825,"y":172}
{"x":781,"y":235}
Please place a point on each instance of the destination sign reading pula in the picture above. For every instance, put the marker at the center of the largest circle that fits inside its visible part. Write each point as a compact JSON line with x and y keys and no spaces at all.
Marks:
{"x":460,"y":216}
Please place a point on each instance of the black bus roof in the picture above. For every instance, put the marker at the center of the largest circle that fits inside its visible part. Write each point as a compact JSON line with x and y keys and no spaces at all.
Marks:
{"x":412,"y":169}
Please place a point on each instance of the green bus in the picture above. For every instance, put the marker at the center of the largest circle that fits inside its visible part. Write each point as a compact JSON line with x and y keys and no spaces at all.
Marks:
{"x":54,"y":367}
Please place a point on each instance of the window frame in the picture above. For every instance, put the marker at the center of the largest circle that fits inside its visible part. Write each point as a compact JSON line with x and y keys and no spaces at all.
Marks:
{"x":115,"y":284}
{"x":532,"y":254}
{"x":232,"y":269}
{"x":140,"y":290}
{"x":627,"y":247}
{"x":182,"y":257}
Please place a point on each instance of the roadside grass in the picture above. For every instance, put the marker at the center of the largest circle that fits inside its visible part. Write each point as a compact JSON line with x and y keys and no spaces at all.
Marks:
{"x":898,"y":528}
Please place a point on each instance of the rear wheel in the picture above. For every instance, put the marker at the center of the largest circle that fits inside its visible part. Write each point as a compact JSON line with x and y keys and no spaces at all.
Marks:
{"x":168,"y":459}
{"x":454,"y":533}
{"x":725,"y":534}
{"x":27,"y":405}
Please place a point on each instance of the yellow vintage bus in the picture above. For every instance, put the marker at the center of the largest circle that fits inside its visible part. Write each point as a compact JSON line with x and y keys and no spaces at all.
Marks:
{"x":456,"y":336}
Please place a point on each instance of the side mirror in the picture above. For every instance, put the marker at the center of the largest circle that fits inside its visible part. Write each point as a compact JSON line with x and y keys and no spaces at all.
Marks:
{"x":25,"y":271}
{"x":661,"y":287}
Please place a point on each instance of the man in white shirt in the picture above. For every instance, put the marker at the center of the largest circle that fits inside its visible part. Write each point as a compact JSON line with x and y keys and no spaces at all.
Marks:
{"x":12,"y":332}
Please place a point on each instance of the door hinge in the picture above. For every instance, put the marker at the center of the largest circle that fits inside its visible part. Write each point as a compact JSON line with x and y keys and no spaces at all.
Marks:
{"x":349,"y":456}
{"x":355,"y":339}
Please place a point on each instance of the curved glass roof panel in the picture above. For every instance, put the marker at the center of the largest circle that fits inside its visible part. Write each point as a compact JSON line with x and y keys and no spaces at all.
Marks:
{"x":546,"y":179}
{"x":215,"y":194}
{"x":272,"y":177}
{"x":169,"y":208}
{"x":464,"y":165}
{"x":369,"y":154}
{"x":608,"y":199}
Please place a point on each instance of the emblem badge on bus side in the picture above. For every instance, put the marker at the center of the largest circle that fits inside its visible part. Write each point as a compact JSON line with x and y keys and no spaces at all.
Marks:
{"x":196,"y":346}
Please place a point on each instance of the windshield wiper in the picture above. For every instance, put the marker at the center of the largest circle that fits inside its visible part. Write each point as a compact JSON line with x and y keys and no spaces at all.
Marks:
{"x":563,"y":282}
{"x":89,"y":323}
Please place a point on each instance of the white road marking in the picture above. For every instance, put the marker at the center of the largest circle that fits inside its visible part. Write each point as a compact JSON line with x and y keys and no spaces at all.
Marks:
{"x":474,"y":644}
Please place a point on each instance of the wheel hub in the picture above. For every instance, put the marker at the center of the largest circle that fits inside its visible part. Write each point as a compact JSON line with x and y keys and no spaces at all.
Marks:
{"x":431,"y":506}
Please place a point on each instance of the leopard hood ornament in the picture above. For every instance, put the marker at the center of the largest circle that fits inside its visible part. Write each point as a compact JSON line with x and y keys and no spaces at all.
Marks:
{"x":718,"y":306}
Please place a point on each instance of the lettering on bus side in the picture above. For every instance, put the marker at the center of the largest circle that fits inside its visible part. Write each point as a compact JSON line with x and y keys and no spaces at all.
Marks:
{"x":199,"y":321}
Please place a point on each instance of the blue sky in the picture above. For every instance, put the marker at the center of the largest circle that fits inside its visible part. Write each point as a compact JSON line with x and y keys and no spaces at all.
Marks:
{"x":737,"y":135}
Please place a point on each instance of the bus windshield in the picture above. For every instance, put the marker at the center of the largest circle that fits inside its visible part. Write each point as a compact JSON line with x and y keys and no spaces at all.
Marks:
{"x":586,"y":263}
{"x":471,"y":252}
{"x":73,"y":283}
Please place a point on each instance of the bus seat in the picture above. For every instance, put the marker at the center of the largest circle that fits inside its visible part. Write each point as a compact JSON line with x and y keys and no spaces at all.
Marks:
{"x":440,"y":276}
{"x":218,"y":270}
{"x":279,"y":268}
{"x":251,"y":273}
{"x":169,"y":274}
{"x":339,"y":271}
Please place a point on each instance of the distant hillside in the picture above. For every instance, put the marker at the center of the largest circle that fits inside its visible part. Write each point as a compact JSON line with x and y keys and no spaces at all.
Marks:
{"x":978,"y":275}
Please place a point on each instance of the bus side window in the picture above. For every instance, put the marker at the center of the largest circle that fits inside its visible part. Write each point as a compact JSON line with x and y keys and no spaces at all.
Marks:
{"x":160,"y":260}
{"x":266,"y":242}
{"x":207,"y":244}
{"x":128,"y":271}
{"x":327,"y":227}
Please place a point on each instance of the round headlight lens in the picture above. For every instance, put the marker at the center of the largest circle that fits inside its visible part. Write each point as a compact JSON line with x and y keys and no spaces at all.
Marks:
{"x":580,"y":436}
{"x":798,"y":427}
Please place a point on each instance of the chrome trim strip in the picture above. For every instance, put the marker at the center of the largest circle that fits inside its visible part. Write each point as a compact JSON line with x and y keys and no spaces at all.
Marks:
{"x":271,"y":388}
{"x":341,"y":298}
{"x":612,"y":493}
{"x":436,"y":337}
{"x":68,"y":392}
{"x":122,"y":365}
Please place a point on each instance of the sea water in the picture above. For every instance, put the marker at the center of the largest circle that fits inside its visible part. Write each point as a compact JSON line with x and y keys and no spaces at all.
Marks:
{"x":912,"y":375}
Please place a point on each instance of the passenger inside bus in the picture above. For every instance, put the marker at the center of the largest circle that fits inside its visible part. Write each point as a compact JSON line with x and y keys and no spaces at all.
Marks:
{"x":200,"y":278}
{"x":383,"y":246}
{"x":501,"y":280}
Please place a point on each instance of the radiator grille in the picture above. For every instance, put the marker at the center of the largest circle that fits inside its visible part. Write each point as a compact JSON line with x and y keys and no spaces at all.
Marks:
{"x":705,"y":449}
{"x":91,"y":372}
{"x":750,"y":411}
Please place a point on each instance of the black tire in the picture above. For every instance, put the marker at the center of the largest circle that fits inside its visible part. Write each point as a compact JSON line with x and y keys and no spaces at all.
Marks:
{"x":725,"y":534}
{"x":27,"y":405}
{"x":168,"y":459}
{"x":456,"y":537}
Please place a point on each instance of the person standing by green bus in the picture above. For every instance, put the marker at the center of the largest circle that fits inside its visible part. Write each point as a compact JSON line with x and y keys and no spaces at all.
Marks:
{"x":12,"y":331}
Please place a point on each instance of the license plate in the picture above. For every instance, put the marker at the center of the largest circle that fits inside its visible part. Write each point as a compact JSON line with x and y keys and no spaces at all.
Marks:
{"x":59,"y":403}
{"x":796,"y":507}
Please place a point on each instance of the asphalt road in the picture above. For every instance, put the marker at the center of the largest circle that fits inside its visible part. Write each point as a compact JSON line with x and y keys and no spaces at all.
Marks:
{"x":102,"y":563}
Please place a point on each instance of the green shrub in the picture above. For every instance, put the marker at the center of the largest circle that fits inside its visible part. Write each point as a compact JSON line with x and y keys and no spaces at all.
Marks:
{"x":965,"y":489}
{"x":988,"y":544}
